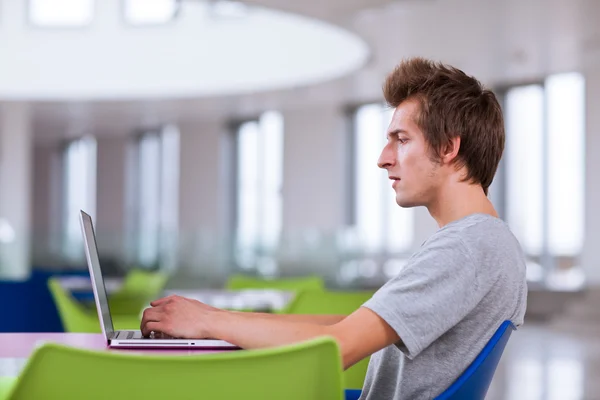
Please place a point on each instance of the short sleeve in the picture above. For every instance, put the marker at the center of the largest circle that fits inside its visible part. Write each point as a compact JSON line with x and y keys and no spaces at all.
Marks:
{"x":437,"y":288}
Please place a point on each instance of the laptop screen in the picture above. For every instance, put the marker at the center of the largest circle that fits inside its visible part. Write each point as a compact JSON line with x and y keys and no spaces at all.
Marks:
{"x":91,"y":252}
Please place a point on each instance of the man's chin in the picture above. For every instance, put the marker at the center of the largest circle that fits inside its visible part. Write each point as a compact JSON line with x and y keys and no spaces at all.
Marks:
{"x":406,"y":203}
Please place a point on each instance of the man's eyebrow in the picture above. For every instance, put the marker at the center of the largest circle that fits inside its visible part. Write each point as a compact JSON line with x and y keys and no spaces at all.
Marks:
{"x":395,"y":132}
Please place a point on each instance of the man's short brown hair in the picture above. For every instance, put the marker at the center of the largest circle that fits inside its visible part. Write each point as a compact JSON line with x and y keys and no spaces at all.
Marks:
{"x":452,"y":104}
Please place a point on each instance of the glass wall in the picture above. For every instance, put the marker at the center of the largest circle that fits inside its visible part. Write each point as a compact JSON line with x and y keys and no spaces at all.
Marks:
{"x":79,"y":192}
{"x":381,"y":233}
{"x":258,"y":192}
{"x":544,"y":186}
{"x":154,"y":204}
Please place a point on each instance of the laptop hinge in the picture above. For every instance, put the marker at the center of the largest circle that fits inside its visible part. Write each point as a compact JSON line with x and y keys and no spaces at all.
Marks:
{"x":111,"y":337}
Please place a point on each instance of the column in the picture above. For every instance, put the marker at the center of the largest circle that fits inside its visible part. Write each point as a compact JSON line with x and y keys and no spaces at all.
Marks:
{"x":591,"y":250}
{"x":15,"y":190}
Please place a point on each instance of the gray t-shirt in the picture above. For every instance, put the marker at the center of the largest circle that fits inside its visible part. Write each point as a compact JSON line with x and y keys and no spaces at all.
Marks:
{"x":445,"y":305}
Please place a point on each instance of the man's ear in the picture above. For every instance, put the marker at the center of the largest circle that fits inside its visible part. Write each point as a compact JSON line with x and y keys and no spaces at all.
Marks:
{"x":450,"y":151}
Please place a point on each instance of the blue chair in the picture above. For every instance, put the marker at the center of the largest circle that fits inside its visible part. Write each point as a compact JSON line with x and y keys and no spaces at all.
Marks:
{"x":473,"y":384}
{"x":352,"y":394}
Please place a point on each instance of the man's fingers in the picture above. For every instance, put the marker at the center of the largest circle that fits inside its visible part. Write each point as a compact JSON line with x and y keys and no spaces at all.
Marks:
{"x":163,"y":300}
{"x":150,"y":315}
{"x":149,"y":327}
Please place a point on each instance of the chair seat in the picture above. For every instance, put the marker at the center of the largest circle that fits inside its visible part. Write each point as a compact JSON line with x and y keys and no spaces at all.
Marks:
{"x":5,"y":385}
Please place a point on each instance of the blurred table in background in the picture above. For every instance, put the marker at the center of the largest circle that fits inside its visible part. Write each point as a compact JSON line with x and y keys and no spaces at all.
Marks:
{"x":83,"y":284}
{"x":265,"y":300}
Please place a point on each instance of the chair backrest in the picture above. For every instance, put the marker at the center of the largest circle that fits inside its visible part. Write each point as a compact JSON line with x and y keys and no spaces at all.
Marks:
{"x":473,"y":384}
{"x":308,"y":370}
{"x":327,"y":302}
{"x":75,"y":318}
{"x":238,"y":282}
{"x":143,"y":283}
{"x":334,"y":303}
{"x":139,"y":288}
{"x":73,"y":315}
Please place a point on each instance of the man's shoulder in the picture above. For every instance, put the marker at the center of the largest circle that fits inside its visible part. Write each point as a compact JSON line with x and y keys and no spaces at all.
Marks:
{"x":474,"y":222}
{"x":482,"y":237}
{"x":475,"y":230}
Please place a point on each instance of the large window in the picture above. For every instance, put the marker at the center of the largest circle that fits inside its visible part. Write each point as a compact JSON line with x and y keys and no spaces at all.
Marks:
{"x":79,"y":192}
{"x":155,"y":200}
{"x":545,"y":171}
{"x":258,"y":191}
{"x":383,"y":225}
{"x":381,"y":231}
{"x":61,"y":13}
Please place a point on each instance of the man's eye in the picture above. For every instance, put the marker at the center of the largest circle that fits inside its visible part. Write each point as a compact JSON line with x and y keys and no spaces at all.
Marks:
{"x":402,"y":140}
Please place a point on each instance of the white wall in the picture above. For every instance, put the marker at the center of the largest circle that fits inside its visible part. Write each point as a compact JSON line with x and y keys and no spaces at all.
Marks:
{"x":111,"y":219}
{"x":205,"y":198}
{"x":45,"y":214}
{"x":41,"y":189}
{"x":200,"y":184}
{"x":313,"y":172}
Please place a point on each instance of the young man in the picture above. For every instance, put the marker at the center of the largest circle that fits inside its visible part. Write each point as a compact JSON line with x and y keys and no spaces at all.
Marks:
{"x":427,"y":324}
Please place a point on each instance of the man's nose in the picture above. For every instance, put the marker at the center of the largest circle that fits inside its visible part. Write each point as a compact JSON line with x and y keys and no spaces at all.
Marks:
{"x":387,"y":158}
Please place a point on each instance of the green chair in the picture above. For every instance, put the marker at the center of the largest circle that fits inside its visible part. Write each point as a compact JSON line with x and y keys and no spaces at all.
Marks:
{"x":334,"y":303}
{"x":6,"y":385}
{"x":139,"y":288}
{"x":308,"y":370}
{"x":76,"y":318}
{"x":239,"y":282}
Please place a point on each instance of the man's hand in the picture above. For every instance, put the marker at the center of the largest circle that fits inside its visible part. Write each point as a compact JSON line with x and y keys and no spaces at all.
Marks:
{"x":178,"y":317}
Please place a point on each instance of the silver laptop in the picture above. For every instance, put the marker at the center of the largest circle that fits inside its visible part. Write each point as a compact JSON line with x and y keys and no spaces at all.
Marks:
{"x":127,"y":338}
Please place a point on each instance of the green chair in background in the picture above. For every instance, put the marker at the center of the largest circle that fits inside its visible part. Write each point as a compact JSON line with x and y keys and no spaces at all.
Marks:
{"x":308,"y":370}
{"x":76,"y":318}
{"x":6,"y":384}
{"x":334,"y":303}
{"x":139,"y":288}
{"x":239,"y":282}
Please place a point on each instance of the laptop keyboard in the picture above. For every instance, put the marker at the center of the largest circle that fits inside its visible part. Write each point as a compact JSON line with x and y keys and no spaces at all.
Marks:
{"x":131,"y":335}
{"x":127,"y":335}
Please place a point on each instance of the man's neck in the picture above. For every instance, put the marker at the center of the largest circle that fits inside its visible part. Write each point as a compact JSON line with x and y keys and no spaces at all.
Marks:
{"x":458,"y":200}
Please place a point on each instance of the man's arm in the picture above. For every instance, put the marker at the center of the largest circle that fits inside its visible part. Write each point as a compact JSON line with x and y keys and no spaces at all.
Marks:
{"x":358,"y":335}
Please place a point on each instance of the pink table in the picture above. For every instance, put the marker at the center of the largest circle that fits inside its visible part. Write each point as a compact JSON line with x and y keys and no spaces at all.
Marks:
{"x":15,"y":348}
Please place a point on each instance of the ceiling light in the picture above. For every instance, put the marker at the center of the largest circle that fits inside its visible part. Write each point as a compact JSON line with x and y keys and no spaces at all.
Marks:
{"x":61,"y":13}
{"x":150,"y":12}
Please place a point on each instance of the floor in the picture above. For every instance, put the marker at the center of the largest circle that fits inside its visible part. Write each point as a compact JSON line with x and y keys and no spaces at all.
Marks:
{"x":553,"y":360}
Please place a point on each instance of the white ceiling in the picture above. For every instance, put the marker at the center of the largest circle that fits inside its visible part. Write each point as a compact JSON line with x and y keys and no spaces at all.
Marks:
{"x":498,"y":41}
{"x":201,"y":53}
